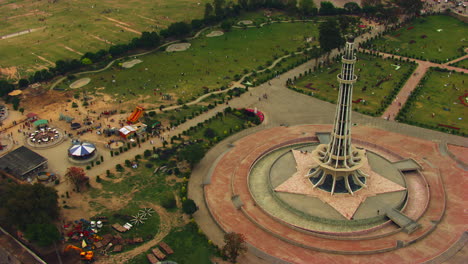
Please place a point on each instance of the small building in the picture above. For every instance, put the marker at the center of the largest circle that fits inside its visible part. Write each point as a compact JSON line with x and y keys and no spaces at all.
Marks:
{"x":23,"y":163}
{"x":127,"y":131}
{"x":31,"y":117}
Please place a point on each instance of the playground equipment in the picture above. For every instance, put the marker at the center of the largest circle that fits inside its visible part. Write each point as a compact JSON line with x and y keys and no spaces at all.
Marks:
{"x":84,"y":255}
{"x":137,"y":113}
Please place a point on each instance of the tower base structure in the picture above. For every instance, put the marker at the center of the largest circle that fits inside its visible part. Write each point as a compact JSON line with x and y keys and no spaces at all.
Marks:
{"x":378,"y":227}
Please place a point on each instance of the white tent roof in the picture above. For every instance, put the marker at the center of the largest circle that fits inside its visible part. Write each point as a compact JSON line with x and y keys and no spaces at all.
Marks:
{"x":127,"y":130}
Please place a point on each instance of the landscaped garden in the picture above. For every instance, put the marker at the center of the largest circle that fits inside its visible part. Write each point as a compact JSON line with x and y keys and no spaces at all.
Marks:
{"x":209,"y":63}
{"x":158,"y":180}
{"x":440,"y":102}
{"x":379,"y":80}
{"x":438,"y":38}
{"x":190,"y":245}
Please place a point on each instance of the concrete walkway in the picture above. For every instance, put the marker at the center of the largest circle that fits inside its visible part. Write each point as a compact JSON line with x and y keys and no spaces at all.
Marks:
{"x":400,"y":100}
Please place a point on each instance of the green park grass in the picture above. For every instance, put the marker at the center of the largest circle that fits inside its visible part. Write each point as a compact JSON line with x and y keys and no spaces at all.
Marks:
{"x":76,"y":23}
{"x":439,"y":94}
{"x":370,"y":70}
{"x":189,"y":245}
{"x":461,"y":64}
{"x":445,"y":39}
{"x":209,"y":62}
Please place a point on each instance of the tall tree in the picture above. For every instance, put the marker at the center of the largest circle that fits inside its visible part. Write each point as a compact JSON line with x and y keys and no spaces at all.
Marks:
{"x":307,"y":8}
{"x":208,"y":11}
{"x":327,"y":9}
{"x":410,"y":6}
{"x":234,"y":246}
{"x":77,"y":176}
{"x":352,"y":8}
{"x":219,"y":8}
{"x":330,"y":36}
{"x":371,"y":2}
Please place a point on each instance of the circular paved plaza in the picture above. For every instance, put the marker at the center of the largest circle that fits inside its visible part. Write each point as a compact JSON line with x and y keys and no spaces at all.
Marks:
{"x":231,"y":204}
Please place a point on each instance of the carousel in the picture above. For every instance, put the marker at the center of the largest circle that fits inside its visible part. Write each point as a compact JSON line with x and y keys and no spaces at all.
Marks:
{"x":82,"y":152}
{"x":44,"y":135}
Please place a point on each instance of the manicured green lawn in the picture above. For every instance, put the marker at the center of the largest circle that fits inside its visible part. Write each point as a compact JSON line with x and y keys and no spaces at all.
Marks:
{"x":209,"y":62}
{"x":445,"y":38}
{"x":188,"y":244}
{"x":82,"y":26}
{"x":461,"y":64}
{"x":439,"y":95}
{"x":377,"y":78}
{"x":146,"y":230}
{"x":222,"y":127}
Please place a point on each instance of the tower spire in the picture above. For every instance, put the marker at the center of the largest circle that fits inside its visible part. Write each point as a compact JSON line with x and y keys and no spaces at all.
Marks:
{"x":339,"y":161}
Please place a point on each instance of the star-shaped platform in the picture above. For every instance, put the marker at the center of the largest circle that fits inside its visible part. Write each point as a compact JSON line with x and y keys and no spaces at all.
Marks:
{"x":345,"y":203}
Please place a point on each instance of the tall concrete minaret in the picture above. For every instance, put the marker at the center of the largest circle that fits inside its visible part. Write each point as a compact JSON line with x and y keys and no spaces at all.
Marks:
{"x":339,"y":162}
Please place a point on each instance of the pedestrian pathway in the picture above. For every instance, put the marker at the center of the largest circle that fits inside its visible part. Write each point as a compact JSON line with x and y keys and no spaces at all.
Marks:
{"x":400,"y":100}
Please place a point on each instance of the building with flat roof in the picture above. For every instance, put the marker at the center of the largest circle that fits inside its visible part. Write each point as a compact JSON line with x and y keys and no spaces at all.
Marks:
{"x":23,"y":163}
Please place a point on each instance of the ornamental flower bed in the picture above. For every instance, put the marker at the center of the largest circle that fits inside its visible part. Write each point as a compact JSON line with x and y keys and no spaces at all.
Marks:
{"x":259,"y":114}
{"x":410,"y":28}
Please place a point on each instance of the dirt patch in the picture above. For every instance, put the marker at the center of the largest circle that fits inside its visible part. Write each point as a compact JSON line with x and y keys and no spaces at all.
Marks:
{"x":178,"y":47}
{"x":419,"y":105}
{"x":9,"y":73}
{"x":72,"y":50}
{"x":128,"y":29}
{"x":103,"y":40}
{"x":44,"y":59}
{"x":80,"y":83}
{"x":27,"y":31}
{"x":117,"y":21}
{"x":215,"y":33}
{"x":245,"y":22}
{"x":130,"y":64}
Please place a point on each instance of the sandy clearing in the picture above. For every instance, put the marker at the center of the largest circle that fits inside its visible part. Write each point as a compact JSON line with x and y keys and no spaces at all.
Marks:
{"x":128,"y":29}
{"x":245,"y":22}
{"x":80,"y":83}
{"x":43,"y":59}
{"x":117,"y":21}
{"x":9,"y":72}
{"x":215,"y":33}
{"x":130,"y":64}
{"x":103,"y":40}
{"x":178,"y":47}
{"x":72,"y":50}
{"x":147,"y":18}
{"x":16,"y":34}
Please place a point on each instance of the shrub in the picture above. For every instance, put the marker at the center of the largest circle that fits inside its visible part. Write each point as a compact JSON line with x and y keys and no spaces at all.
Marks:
{"x":168,"y":200}
{"x":189,"y":207}
{"x":88,"y":167}
{"x":119,"y":168}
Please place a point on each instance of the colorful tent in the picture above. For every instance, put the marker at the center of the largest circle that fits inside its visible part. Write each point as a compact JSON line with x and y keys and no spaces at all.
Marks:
{"x":40,"y":122}
{"x":83,"y":149}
